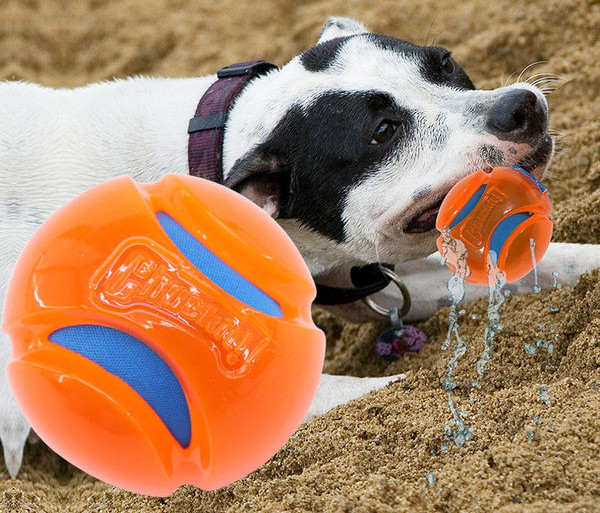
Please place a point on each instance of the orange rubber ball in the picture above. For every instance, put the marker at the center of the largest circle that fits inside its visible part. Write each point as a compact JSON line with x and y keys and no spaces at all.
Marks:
{"x":502,"y":214}
{"x":162,"y":334}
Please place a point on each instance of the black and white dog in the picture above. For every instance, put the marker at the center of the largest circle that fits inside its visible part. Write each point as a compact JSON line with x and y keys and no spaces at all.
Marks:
{"x":351,"y":146}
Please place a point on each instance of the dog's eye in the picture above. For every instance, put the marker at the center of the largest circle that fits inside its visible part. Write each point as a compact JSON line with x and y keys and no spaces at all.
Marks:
{"x":383,"y":132}
{"x":448,"y":64}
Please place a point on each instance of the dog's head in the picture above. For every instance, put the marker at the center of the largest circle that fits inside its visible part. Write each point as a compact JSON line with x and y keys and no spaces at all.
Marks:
{"x":355,"y":142}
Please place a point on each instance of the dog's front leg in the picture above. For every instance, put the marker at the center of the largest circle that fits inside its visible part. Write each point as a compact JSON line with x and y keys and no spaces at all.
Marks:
{"x":426,"y":279}
{"x":336,"y":390}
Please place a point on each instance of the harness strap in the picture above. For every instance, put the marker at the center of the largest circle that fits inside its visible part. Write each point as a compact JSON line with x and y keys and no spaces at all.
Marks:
{"x":205,"y":145}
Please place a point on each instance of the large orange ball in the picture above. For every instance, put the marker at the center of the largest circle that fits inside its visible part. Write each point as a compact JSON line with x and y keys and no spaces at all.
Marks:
{"x":162,"y":334}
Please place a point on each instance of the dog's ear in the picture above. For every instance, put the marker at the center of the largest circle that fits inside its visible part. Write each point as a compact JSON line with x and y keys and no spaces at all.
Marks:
{"x":341,"y":27}
{"x":262,"y":178}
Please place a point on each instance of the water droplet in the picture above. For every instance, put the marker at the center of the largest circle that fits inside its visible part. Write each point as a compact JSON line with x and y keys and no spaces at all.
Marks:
{"x":529,"y":349}
{"x":474,"y":317}
{"x":555,"y":283}
{"x":530,"y":435}
{"x":538,"y":419}
{"x":430,"y":478}
{"x":445,"y":448}
{"x":544,"y":394}
{"x":506,"y":293}
{"x":461,"y":433}
{"x":536,"y":289}
{"x":448,"y":431}
{"x":541,"y":327}
{"x":459,"y":439}
{"x":448,"y":384}
{"x":554,"y":308}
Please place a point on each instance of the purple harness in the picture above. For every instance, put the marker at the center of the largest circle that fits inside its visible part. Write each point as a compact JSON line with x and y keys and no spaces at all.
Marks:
{"x":205,"y":145}
{"x":205,"y":160}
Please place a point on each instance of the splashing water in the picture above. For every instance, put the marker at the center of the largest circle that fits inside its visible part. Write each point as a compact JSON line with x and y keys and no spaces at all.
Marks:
{"x":548,"y":346}
{"x":536,"y":289}
{"x":544,"y":394}
{"x":455,"y":253}
{"x":461,"y":433}
{"x":555,"y":283}
{"x":496,"y":280}
{"x":529,"y":349}
{"x":542,"y":344}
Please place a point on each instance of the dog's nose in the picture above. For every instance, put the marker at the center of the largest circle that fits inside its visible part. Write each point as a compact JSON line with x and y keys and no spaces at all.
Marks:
{"x":517,"y":115}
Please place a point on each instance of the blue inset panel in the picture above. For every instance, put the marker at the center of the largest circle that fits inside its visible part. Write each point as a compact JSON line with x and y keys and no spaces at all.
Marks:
{"x":503,"y":230}
{"x":139,"y":366}
{"x":536,"y":181}
{"x":216,"y":270}
{"x":469,"y":205}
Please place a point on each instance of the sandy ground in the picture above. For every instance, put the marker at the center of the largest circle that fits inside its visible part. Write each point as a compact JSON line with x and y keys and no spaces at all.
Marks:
{"x":374,"y":454}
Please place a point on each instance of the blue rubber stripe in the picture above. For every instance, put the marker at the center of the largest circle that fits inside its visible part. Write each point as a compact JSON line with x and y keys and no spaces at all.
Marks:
{"x":139,"y":366}
{"x":469,"y":205}
{"x":503,"y":230}
{"x":216,"y":270}
{"x":536,"y":181}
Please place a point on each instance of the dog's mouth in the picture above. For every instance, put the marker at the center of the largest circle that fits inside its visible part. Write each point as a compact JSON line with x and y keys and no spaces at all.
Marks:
{"x":424,"y":220}
{"x":534,"y":163}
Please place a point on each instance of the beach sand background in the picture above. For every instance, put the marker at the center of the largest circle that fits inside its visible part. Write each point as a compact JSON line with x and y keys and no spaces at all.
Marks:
{"x":374,"y":453}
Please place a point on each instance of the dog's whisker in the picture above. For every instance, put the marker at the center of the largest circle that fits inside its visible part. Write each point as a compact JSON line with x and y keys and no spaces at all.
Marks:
{"x":435,"y":39}
{"x":544,"y":83}
{"x":529,"y":67}
{"x":543,"y":74}
{"x":429,"y":33}
{"x":507,"y":82}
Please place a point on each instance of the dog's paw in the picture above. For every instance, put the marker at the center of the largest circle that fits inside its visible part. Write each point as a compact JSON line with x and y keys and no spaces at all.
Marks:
{"x":14,"y":428}
{"x":336,"y":390}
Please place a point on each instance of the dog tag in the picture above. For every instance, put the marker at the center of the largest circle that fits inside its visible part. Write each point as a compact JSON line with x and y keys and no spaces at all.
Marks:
{"x":399,"y":339}
{"x":394,"y":343}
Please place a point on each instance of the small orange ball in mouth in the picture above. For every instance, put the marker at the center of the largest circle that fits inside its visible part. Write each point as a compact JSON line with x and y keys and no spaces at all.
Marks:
{"x":502,"y":214}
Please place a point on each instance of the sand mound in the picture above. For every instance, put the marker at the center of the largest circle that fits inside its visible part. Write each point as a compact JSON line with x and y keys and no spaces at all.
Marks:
{"x":374,"y":454}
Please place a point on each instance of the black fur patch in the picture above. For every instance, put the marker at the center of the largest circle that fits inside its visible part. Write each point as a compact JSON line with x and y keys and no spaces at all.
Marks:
{"x":491,"y":155}
{"x":429,"y":59}
{"x":326,"y":149}
{"x":321,"y":56}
